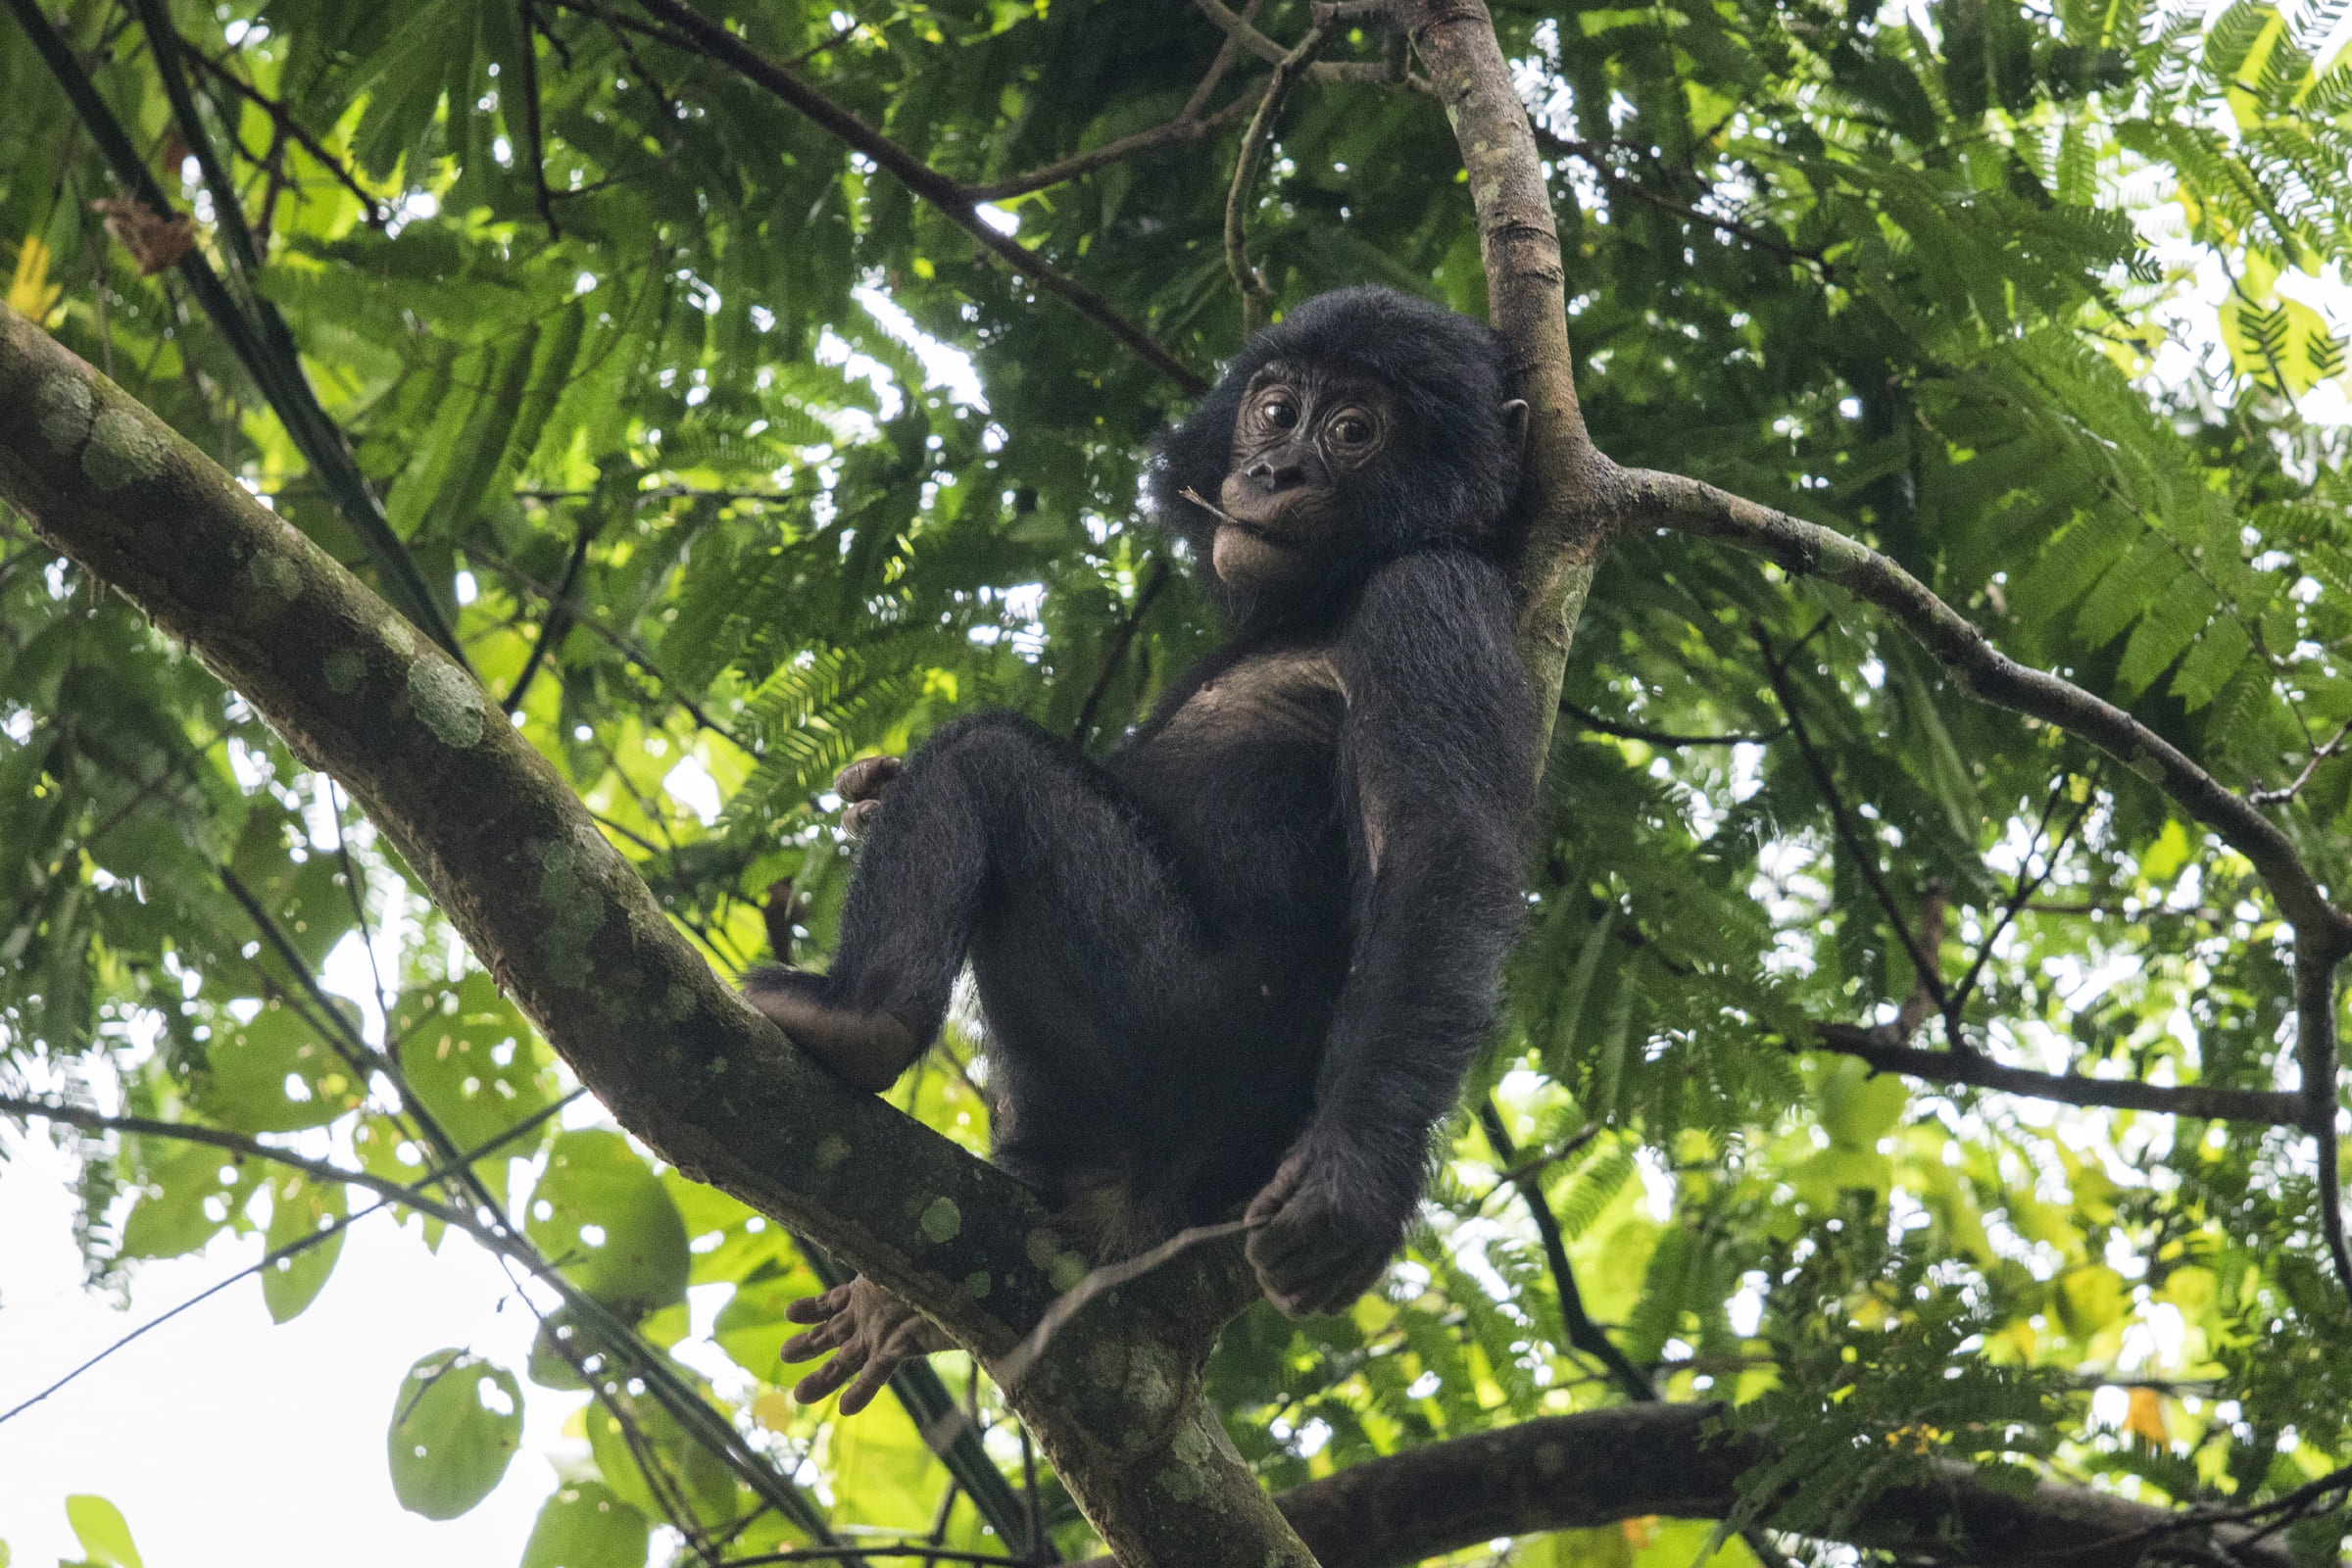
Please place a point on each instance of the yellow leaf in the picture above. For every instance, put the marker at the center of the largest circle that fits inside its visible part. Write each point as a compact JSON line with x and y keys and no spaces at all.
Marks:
{"x":2146,"y":1417}
{"x":31,"y":294}
{"x":774,"y":1410}
{"x":1641,"y":1532}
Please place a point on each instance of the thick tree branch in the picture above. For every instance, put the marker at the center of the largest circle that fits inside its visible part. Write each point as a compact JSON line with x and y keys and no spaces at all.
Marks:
{"x":957,"y":204}
{"x":1886,"y":1053}
{"x":1574,"y":1472}
{"x":1527,"y":305}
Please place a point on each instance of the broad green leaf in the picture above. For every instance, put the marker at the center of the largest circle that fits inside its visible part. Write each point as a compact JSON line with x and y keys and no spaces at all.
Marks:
{"x":455,"y":1428}
{"x":301,"y":1208}
{"x":104,"y":1534}
{"x":583,"y":1525}
{"x":603,"y":1218}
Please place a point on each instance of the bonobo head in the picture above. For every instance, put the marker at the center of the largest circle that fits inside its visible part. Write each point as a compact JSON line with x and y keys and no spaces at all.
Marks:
{"x":1366,"y":425}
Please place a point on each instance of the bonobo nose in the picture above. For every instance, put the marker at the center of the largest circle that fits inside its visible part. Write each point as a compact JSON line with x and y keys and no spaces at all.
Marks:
{"x":1271,"y":474}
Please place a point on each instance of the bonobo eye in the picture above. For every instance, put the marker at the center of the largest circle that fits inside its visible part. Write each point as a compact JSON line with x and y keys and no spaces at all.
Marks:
{"x":1353,"y":428}
{"x":1279,"y":412}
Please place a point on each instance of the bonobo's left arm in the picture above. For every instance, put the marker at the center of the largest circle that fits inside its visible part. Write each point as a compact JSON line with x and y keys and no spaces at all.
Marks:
{"x":1439,"y":750}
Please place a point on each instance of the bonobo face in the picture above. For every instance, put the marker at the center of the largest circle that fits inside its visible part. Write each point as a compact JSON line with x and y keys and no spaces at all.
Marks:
{"x":1299,"y":446}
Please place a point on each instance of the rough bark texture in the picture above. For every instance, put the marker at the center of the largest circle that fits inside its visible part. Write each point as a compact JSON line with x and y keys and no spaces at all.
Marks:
{"x":1575,"y":1472}
{"x":1526,"y":304}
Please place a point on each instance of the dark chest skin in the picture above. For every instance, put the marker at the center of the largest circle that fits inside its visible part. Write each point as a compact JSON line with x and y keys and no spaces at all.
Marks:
{"x":1240,"y":770}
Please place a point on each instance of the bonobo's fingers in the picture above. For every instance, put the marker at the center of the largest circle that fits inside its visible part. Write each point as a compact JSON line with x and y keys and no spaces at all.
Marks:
{"x":1310,"y":1253}
{"x":872,"y":1332}
{"x":860,"y":785}
{"x":867,"y":777}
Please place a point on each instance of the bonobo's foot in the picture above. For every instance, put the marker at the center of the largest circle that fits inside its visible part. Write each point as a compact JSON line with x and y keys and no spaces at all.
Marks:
{"x":868,"y":1049}
{"x":861,"y":786}
{"x":869,"y":1331}
{"x":1312,"y":1252}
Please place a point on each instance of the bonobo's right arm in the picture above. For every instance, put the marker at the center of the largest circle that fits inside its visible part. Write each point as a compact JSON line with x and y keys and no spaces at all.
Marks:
{"x":1439,"y":744}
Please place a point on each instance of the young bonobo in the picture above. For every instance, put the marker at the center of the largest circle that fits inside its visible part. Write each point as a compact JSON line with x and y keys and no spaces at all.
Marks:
{"x":1250,"y":956}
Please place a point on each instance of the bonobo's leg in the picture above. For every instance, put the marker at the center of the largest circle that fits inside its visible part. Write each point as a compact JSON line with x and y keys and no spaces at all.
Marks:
{"x":992,"y":809}
{"x":994,"y":829}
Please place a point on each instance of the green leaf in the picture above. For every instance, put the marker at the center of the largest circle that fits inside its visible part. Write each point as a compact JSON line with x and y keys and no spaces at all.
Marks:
{"x":1857,"y":1106}
{"x":455,"y":1428}
{"x":584,"y":1525}
{"x":104,"y":1534}
{"x":275,"y":1075}
{"x":300,"y":1208}
{"x":602,"y":1214}
{"x":185,"y":1197}
{"x":475,"y":1064}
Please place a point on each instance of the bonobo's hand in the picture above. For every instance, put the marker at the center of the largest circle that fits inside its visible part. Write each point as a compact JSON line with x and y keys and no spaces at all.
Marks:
{"x":1314,"y":1252}
{"x":869,"y":1330}
{"x":861,"y":786}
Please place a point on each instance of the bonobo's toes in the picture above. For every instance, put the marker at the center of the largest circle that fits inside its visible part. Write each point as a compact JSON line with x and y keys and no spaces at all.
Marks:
{"x":857,"y":816}
{"x":868,"y":1049}
{"x":867,"y":777}
{"x":869,"y":1330}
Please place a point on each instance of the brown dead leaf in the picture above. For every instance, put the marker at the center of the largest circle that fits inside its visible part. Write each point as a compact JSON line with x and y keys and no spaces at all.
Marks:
{"x":154,"y":241}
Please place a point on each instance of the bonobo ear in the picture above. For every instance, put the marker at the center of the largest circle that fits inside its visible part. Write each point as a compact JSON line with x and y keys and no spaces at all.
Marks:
{"x":1514,"y":419}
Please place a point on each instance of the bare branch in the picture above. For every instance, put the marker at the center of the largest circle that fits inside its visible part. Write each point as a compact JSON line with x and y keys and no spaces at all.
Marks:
{"x":1583,"y":1333}
{"x":2318,"y":755}
{"x":1248,"y":280}
{"x":1181,"y":129}
{"x":1879,"y":1047}
{"x":372,"y":211}
{"x":1372,"y":72}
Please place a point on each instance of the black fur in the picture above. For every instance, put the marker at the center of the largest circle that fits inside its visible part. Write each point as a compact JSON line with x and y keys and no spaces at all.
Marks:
{"x":1272,"y":923}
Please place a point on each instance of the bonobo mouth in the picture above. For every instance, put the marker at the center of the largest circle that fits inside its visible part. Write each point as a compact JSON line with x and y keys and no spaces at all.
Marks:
{"x":1289,"y":518}
{"x":1264,"y":533}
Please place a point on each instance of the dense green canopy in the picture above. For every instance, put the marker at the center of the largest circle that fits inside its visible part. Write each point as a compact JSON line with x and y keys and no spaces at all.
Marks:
{"x":725,"y":451}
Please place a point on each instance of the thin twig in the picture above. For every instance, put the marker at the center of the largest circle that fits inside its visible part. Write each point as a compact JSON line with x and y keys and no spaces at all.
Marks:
{"x":534,"y":148}
{"x":1659,"y":738}
{"x":1116,"y":654}
{"x":1583,"y":1333}
{"x":1866,"y":859}
{"x":1247,"y":279}
{"x":372,"y":211}
{"x":389,"y":1193}
{"x":557,"y":619}
{"x":2027,"y":886}
{"x":2286,"y":793}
